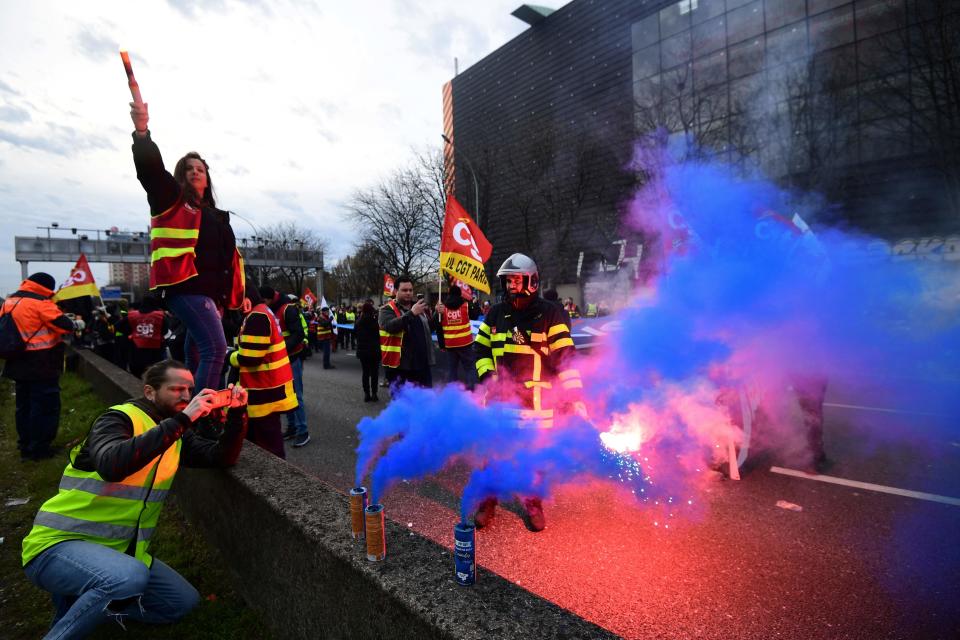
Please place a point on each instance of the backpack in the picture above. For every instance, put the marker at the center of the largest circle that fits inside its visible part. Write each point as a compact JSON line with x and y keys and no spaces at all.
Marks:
{"x":12,"y":343}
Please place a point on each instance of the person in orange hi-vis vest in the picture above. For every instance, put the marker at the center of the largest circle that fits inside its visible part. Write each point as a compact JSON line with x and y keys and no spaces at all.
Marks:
{"x":194,"y":261}
{"x":261,"y":358}
{"x":406,"y":348}
{"x":456,"y":337}
{"x":36,"y":370}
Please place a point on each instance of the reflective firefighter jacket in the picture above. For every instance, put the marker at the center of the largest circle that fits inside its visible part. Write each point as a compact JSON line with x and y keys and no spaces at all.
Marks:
{"x":456,"y":327}
{"x":263,"y":364}
{"x":119,"y":515}
{"x":534,"y":349}
{"x":146,"y":329}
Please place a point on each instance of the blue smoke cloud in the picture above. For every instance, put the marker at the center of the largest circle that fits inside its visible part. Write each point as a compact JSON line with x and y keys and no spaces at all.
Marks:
{"x":743,"y":296}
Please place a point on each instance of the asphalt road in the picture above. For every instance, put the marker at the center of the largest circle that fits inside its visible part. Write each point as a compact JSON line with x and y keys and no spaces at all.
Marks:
{"x":854,"y":563}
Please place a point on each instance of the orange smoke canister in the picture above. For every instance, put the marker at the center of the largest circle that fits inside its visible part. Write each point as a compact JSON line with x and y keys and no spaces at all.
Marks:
{"x":376,"y":535}
{"x":131,"y":80}
{"x":358,"y":504}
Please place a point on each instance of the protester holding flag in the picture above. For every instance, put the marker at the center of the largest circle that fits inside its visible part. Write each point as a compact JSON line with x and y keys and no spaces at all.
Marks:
{"x":456,"y":337}
{"x":194,"y":258}
{"x":38,"y":326}
{"x":145,"y":328}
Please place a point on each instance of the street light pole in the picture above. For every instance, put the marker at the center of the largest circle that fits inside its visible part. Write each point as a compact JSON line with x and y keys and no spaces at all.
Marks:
{"x":473,"y":174}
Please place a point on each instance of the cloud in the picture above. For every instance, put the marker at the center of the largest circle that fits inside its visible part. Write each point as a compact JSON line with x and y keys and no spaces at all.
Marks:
{"x":286,"y":199}
{"x":239,"y":171}
{"x":190,"y":8}
{"x":96,"y":46}
{"x":5,"y":88}
{"x":16,"y":115}
{"x":446,"y":36}
{"x":61,"y":141}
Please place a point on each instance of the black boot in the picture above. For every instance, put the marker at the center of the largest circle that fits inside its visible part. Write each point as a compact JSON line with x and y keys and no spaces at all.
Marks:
{"x":485,"y":513}
{"x":533,"y":519}
{"x":366,"y":397}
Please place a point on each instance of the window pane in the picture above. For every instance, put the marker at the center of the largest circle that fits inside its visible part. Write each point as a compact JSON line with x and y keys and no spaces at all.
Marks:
{"x":818,"y":6}
{"x":886,"y":96}
{"x":675,"y":50}
{"x":744,"y":92}
{"x":836,"y":67}
{"x":746,"y":58}
{"x":707,"y":9}
{"x":645,"y":32}
{"x":646,"y":62}
{"x":881,"y":55}
{"x":712,"y":105}
{"x":709,"y":36}
{"x":745,"y":22}
{"x":831,"y":29}
{"x":786,"y":44}
{"x":673,"y":21}
{"x":646,"y":93}
{"x":781,"y":12}
{"x":710,"y":71}
{"x":878,"y":16}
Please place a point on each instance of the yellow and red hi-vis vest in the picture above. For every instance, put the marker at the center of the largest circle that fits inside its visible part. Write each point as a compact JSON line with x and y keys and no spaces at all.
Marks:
{"x":173,"y":244}
{"x":391,"y":343}
{"x":456,"y":327}
{"x":265,"y":369}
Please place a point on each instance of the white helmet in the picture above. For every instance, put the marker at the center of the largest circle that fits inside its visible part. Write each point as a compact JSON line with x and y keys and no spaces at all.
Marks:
{"x":519,"y":264}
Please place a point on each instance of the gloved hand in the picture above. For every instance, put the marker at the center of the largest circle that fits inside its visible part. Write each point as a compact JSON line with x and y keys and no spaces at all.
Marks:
{"x":140,"y":116}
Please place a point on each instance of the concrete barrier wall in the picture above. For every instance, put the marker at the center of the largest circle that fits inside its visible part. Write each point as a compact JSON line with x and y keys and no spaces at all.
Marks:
{"x":286,"y":537}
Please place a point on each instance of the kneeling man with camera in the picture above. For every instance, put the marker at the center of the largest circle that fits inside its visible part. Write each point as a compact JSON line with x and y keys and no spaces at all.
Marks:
{"x":89,"y":543}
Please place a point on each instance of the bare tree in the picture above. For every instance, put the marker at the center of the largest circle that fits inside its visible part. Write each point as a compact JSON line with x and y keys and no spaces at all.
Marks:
{"x":913,"y":88}
{"x":395,"y":217}
{"x":360,"y":274}
{"x":287,"y":237}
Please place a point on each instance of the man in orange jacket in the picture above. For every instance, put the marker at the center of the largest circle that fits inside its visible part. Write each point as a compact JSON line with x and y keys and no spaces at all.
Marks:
{"x":36,"y":370}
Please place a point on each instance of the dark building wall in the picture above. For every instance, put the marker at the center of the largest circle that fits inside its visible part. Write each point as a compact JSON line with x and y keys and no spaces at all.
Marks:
{"x":550,"y":119}
{"x":546,"y":119}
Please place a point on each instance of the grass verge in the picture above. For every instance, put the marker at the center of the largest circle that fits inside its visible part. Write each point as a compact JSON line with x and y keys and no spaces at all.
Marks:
{"x":25,"y":610}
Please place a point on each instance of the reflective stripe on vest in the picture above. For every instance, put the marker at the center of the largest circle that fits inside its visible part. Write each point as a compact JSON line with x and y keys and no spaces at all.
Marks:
{"x":114,"y":514}
{"x":391,"y":343}
{"x":456,"y":328}
{"x":273,"y":367}
{"x":173,"y":243}
{"x":146,"y":329}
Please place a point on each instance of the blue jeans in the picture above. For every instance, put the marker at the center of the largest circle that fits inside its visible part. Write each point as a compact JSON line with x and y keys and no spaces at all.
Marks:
{"x":37,"y":415}
{"x":297,"y":418}
{"x":84,"y":578}
{"x":205,"y":346}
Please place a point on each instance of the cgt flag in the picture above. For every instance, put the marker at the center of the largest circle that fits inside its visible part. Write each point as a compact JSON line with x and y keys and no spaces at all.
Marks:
{"x":309,"y":298}
{"x":463,"y":247}
{"x":388,"y":285}
{"x":79,"y":283}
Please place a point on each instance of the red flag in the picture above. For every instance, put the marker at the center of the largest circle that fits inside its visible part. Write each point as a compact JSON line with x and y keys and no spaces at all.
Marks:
{"x":79,"y":283}
{"x":465,"y":289}
{"x":463,"y":247}
{"x":388,"y":285}
{"x":309,"y":298}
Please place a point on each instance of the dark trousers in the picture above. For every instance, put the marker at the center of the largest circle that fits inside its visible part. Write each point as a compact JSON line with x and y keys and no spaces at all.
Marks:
{"x":37,"y":415}
{"x":462,"y":358}
{"x":371,"y":373}
{"x":398,"y":377}
{"x":325,"y":347}
{"x":265,"y":432}
{"x":140,"y":359}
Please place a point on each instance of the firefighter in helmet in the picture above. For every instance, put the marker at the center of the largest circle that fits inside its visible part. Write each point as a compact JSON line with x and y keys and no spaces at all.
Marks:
{"x":524,"y":352}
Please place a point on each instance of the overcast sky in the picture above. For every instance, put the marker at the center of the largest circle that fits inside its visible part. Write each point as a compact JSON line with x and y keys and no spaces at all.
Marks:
{"x":294,"y":104}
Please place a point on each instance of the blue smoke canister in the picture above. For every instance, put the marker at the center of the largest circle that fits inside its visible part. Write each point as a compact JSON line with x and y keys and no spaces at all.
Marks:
{"x":358,"y":504}
{"x":464,"y":553}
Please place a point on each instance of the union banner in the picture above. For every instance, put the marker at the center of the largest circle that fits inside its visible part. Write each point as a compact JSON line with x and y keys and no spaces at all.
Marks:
{"x":388,"y":285}
{"x":463,"y":247}
{"x":79,"y":283}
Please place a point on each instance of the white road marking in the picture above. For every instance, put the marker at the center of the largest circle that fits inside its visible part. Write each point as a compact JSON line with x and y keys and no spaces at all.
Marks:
{"x":880,"y":409}
{"x":919,"y":495}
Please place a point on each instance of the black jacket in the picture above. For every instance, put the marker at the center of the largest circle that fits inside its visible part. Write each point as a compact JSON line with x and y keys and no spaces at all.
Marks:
{"x":368,"y":336}
{"x":111,"y":450}
{"x":216,"y":243}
